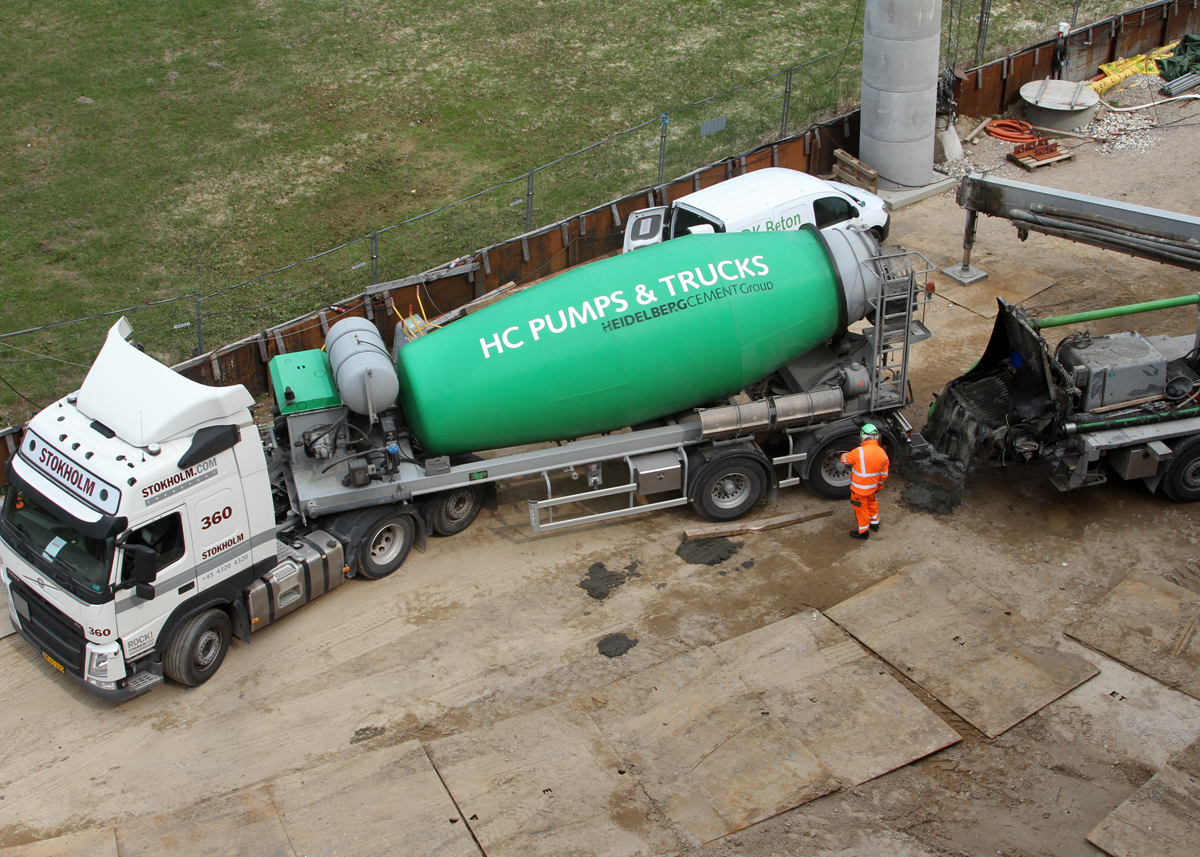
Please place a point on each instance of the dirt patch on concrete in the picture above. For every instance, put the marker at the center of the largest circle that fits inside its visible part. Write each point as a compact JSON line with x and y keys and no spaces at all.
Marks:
{"x":707,"y":551}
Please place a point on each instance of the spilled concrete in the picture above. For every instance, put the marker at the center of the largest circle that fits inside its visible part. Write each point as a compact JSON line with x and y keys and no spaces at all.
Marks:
{"x":707,"y":551}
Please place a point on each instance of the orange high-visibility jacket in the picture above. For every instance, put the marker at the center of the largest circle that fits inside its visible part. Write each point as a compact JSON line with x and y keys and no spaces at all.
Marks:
{"x":868,"y":467}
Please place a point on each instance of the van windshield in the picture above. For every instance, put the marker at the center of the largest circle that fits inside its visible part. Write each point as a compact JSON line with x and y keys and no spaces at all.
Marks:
{"x":76,"y":562}
{"x":685,"y":219}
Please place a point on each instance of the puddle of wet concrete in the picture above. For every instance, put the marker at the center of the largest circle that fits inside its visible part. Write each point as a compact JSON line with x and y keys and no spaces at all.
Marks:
{"x":927,"y":497}
{"x":600,"y":580}
{"x":706,"y":551}
{"x":615,"y":645}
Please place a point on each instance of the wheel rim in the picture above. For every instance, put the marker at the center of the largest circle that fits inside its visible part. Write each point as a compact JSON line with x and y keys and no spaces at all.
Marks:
{"x":730,"y":491}
{"x":1190,"y":477}
{"x":459,"y":505}
{"x":387,"y":544}
{"x":207,"y":648}
{"x":829,"y":470}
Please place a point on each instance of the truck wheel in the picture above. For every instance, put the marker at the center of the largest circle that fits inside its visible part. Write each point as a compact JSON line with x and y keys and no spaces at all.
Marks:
{"x":823,"y":477}
{"x":728,"y":489}
{"x":385,"y":546}
{"x":454,"y":510}
{"x":198,"y":648}
{"x":1182,"y":483}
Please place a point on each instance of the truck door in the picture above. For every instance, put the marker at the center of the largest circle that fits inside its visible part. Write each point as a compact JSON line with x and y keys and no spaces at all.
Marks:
{"x":168,"y":535}
{"x":222,"y":534}
{"x":645,"y":227}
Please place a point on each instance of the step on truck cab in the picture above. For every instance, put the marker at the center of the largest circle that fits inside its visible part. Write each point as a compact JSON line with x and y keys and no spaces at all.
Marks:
{"x":138,"y":513}
{"x":768,"y":200}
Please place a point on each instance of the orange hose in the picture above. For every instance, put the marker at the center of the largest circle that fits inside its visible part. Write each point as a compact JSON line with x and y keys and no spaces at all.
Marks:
{"x":1012,"y":131}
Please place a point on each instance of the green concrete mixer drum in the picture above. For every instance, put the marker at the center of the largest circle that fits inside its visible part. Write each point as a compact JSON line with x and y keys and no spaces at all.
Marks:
{"x":627,"y":340}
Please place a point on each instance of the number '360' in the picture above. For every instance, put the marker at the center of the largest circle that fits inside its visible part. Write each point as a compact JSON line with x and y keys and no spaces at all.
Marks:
{"x":216,"y":517}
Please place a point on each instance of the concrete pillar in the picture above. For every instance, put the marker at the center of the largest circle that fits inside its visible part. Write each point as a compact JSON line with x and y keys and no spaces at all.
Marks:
{"x":901,"y":49}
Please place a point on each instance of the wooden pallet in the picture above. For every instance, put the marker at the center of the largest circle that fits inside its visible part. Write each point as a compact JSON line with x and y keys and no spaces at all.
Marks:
{"x":1031,"y":164}
{"x":854,"y":172}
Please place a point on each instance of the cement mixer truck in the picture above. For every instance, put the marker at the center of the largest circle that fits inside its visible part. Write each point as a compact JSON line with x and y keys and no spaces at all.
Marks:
{"x":149,"y":519}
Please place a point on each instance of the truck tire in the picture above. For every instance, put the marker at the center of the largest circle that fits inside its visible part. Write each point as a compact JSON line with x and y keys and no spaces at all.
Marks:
{"x":1182,"y":482}
{"x":385,"y":546}
{"x":823,"y":478}
{"x":454,"y":510}
{"x":198,"y":647}
{"x":728,"y":489}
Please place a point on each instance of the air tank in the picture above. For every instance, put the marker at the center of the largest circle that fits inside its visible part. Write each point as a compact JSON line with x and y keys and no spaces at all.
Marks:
{"x":638,"y":336}
{"x":361,"y":366}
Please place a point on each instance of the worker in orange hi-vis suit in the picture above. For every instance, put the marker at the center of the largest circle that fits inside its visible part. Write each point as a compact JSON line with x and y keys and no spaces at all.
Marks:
{"x":868,"y":465}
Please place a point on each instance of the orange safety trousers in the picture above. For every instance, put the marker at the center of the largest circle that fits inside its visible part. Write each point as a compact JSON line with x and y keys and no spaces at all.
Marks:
{"x":866,"y":509}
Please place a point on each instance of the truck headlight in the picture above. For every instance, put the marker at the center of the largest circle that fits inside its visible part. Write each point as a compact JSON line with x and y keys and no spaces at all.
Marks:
{"x":98,"y":665}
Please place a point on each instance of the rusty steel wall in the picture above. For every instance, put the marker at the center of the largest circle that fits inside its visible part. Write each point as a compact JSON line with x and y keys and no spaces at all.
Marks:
{"x":993,"y":88}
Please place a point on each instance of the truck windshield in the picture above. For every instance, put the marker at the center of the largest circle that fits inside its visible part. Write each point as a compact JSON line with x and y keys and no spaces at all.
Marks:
{"x":70,"y":558}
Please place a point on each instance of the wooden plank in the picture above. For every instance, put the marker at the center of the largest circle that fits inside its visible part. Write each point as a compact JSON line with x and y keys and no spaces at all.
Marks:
{"x":1031,"y":164}
{"x":963,"y":646}
{"x":1150,"y":624}
{"x":742,"y":527}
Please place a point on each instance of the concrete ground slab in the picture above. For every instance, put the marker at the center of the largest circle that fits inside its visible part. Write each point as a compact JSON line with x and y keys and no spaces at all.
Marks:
{"x":1162,"y":817}
{"x":963,"y":646}
{"x":1150,"y":624}
{"x":901,"y":197}
{"x":385,"y":802}
{"x":704,"y":747}
{"x":548,"y":783}
{"x":837,"y":697}
{"x":89,"y":843}
{"x":241,"y":824}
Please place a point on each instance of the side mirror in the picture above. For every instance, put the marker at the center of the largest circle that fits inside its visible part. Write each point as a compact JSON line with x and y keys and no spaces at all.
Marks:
{"x":145,"y":570}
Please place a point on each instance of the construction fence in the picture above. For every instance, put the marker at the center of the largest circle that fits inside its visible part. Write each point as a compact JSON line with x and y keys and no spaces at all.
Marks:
{"x":571,"y":210}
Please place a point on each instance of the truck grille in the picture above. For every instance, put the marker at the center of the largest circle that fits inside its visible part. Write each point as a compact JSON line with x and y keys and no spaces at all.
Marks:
{"x":58,"y":636}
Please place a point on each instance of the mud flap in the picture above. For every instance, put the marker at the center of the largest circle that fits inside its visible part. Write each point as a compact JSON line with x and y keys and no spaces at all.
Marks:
{"x":350,"y":527}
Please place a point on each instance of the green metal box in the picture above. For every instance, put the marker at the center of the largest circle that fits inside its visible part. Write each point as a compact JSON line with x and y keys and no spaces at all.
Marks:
{"x":307,"y":375}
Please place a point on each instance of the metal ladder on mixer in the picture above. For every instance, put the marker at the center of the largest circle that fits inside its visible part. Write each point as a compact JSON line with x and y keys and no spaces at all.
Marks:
{"x":896,"y":325}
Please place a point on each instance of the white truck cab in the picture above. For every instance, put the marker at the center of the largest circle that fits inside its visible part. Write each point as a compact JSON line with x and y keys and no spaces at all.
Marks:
{"x":768,"y":200}
{"x":129,"y":517}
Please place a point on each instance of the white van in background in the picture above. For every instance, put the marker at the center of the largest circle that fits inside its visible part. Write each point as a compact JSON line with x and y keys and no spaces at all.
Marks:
{"x":767,"y":200}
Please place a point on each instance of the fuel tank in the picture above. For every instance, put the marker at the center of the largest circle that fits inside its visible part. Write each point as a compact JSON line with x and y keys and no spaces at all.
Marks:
{"x":632,"y":338}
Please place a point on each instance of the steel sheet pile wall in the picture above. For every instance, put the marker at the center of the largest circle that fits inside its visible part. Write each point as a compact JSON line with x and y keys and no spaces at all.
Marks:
{"x":993,"y":88}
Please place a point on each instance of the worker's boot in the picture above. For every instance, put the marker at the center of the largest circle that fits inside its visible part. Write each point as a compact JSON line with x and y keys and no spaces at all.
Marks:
{"x":874,"y":528}
{"x":855,"y":534}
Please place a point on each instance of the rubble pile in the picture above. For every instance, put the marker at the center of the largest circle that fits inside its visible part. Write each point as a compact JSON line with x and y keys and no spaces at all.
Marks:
{"x":1123,"y":131}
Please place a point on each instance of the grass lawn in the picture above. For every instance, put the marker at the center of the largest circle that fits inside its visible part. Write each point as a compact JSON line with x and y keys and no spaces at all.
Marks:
{"x":169,"y":147}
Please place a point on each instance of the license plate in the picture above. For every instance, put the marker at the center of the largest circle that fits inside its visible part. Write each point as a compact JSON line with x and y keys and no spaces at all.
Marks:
{"x":55,"y":663}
